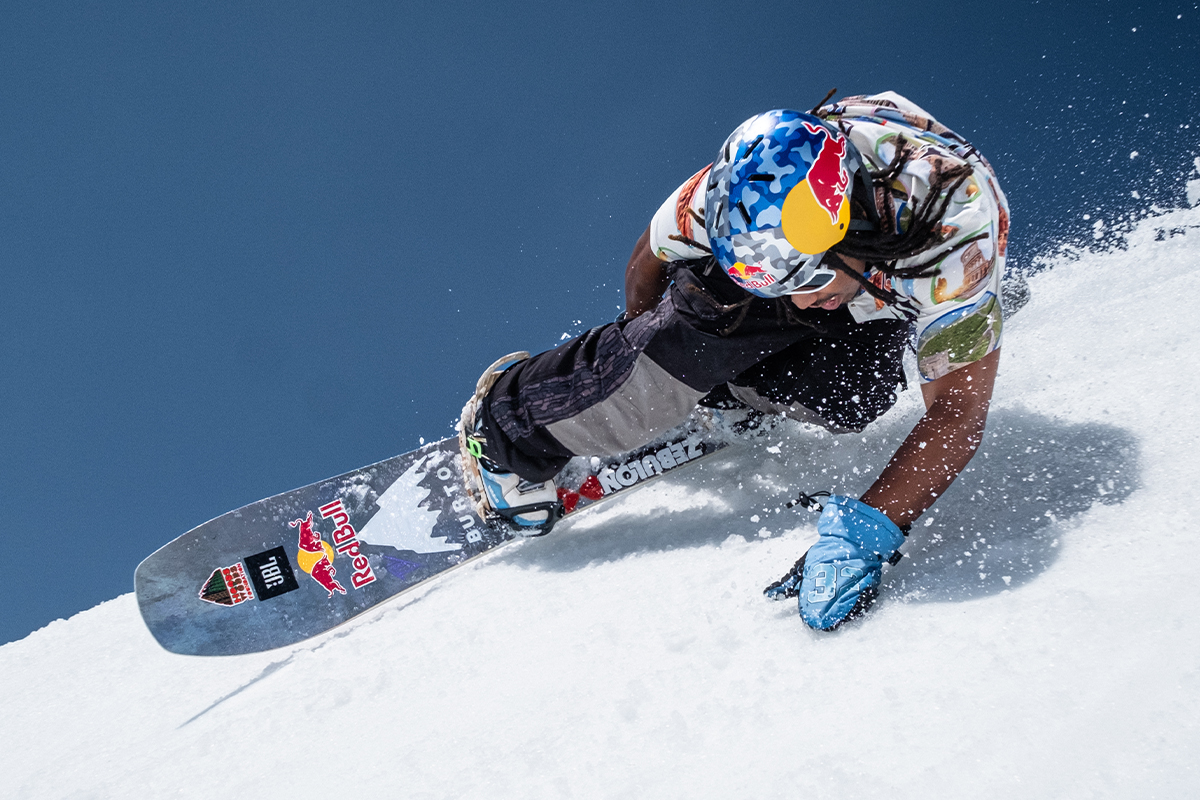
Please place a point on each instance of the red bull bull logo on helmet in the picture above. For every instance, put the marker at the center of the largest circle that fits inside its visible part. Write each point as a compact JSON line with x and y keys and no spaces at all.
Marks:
{"x":827,"y":178}
{"x":816,"y":212}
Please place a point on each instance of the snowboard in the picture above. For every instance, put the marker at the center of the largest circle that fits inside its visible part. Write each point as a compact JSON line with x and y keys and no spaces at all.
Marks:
{"x":298,"y":564}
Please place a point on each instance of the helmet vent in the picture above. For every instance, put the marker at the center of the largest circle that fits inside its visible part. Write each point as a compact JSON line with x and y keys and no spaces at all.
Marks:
{"x":745,"y":213}
{"x":750,"y":147}
{"x":761,"y":176}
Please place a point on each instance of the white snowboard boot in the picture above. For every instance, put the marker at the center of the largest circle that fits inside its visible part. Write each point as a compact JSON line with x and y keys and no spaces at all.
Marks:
{"x":531,"y":508}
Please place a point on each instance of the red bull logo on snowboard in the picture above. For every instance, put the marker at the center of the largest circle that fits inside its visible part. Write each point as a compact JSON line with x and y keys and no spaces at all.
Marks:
{"x":316,"y":555}
{"x":345,"y":540}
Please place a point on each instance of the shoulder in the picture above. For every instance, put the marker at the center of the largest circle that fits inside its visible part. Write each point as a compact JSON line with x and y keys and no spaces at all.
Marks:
{"x":888,"y":109}
{"x":877,"y":122}
{"x":677,"y":230}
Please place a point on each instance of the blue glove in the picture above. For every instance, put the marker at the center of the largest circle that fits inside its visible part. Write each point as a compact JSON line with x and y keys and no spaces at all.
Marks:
{"x":838,"y":578}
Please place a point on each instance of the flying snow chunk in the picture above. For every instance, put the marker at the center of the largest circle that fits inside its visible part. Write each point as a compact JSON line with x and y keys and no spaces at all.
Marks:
{"x":1193,"y":187}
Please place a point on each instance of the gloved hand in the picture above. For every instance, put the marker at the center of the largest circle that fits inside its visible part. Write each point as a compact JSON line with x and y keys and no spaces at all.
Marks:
{"x":788,"y":586}
{"x":838,"y":578}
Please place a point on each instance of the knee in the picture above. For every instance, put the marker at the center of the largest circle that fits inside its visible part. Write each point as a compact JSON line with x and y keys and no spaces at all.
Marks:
{"x":853,"y":413}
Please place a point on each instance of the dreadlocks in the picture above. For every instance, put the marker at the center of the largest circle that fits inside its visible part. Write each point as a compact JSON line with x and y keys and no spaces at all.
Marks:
{"x":884,"y":244}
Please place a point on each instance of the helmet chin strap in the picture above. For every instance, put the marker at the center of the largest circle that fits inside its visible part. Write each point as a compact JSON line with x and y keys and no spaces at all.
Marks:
{"x":840,"y":264}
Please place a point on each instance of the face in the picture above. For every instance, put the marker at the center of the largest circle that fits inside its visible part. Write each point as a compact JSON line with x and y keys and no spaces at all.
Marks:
{"x":841,"y":290}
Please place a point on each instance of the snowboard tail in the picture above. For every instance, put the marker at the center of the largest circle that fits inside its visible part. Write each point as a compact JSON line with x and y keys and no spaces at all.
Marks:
{"x":298,"y":564}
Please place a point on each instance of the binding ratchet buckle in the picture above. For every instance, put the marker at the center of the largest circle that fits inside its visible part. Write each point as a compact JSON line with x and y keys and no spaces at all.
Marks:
{"x":553,"y":509}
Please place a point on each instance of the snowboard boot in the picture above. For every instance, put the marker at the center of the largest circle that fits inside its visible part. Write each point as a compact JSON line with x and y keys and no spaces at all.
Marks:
{"x":528,"y":508}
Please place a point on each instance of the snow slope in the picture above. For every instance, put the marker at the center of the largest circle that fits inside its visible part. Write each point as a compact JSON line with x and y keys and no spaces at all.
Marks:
{"x":1042,"y":639}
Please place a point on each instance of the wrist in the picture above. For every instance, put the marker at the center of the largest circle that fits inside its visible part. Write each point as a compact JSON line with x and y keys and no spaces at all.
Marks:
{"x":864,"y":526}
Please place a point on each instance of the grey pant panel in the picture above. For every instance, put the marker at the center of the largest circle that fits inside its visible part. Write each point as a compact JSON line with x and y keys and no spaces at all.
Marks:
{"x":650,"y":401}
{"x":574,"y":376}
{"x":793,"y":410}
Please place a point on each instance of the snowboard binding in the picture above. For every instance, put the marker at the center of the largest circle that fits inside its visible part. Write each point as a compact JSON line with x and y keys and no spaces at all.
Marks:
{"x":500,"y":496}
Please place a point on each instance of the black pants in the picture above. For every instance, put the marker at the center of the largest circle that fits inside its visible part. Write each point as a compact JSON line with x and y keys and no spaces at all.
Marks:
{"x":619,"y":385}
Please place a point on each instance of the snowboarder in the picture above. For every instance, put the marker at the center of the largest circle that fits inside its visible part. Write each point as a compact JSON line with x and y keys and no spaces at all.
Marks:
{"x":789,"y":277}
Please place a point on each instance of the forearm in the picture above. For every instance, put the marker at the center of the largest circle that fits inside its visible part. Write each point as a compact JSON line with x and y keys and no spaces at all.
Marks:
{"x":941,"y":444}
{"x":645,"y":278}
{"x":928,"y":461}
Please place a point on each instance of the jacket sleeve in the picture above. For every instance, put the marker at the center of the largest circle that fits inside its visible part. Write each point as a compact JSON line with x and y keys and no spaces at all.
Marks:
{"x":958,"y":313}
{"x":960,"y":318}
{"x":678,"y":226}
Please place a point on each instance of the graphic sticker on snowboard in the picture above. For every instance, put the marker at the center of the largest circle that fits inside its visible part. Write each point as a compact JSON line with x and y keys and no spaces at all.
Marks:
{"x":271,"y":573}
{"x":227,"y":586}
{"x":407,"y":520}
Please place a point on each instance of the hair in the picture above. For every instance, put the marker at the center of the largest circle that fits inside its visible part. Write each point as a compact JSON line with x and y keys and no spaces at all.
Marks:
{"x":881,"y":246}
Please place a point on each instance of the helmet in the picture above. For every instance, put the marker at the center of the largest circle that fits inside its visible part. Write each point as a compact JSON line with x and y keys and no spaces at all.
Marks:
{"x":778,"y":198}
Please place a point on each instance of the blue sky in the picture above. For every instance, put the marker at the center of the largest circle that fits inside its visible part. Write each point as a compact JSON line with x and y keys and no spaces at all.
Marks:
{"x":247,"y":246}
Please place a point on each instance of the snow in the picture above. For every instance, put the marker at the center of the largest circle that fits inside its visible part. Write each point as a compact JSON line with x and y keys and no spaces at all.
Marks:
{"x":1036,"y":641}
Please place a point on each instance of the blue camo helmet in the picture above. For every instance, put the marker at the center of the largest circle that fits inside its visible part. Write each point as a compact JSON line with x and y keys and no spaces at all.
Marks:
{"x":778,"y":198}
